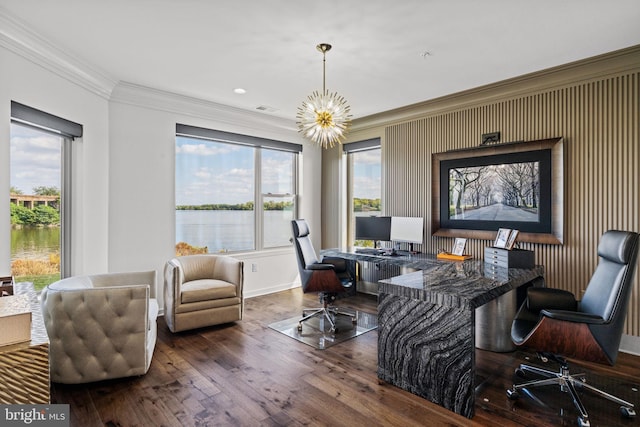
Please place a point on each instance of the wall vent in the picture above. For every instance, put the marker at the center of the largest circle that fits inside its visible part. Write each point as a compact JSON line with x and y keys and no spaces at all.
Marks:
{"x":266,"y":108}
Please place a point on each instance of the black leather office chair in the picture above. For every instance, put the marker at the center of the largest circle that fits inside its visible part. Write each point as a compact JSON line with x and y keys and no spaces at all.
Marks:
{"x":328,"y":277}
{"x":552,"y":322}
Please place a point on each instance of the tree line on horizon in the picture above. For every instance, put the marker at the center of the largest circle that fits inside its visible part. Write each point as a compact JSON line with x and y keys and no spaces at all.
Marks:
{"x":359,"y":205}
{"x":247,"y":206}
{"x":366,"y":205}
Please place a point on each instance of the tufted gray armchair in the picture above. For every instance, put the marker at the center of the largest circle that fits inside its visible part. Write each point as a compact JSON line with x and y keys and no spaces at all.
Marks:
{"x":101,"y":326}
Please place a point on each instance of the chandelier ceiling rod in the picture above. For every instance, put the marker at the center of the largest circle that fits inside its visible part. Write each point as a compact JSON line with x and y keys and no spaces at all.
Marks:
{"x":324,"y":118}
{"x":324,"y":48}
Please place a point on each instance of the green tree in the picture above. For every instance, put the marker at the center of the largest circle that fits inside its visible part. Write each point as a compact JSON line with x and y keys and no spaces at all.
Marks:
{"x":365,"y":205}
{"x":46,"y":191}
{"x":46,"y":215}
{"x":14,"y":190}
{"x":21,"y":215}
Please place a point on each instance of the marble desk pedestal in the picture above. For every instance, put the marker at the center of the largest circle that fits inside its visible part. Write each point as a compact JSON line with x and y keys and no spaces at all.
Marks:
{"x":426,"y":329}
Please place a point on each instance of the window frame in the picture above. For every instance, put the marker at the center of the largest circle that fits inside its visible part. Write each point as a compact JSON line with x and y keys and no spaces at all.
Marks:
{"x":261,"y":197}
{"x":259,"y":145}
{"x":68,"y":132}
{"x":349,"y":150}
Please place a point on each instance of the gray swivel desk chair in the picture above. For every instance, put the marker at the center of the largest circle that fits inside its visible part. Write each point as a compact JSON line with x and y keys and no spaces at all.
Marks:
{"x":553,"y":322}
{"x":328,"y":277}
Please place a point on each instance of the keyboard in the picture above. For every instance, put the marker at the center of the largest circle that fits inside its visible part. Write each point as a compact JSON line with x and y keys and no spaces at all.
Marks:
{"x":368,"y":251}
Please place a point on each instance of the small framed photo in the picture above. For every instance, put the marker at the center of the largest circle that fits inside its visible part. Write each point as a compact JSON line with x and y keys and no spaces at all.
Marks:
{"x":502,"y":238}
{"x":458,"y":246}
{"x":511,"y":242}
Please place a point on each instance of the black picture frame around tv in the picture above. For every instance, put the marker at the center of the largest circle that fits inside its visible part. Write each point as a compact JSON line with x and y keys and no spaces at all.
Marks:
{"x":513,"y":185}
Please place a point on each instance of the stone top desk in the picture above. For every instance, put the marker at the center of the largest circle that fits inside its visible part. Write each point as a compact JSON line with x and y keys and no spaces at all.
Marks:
{"x":426,"y":323}
{"x":406,"y":260}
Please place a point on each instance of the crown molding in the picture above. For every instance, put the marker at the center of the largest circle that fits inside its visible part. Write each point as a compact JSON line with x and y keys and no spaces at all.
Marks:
{"x":156,"y":99}
{"x":590,"y":69}
{"x":18,"y":38}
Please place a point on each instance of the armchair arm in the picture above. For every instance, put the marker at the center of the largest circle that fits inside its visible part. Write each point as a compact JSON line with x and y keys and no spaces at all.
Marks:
{"x":230,"y":270}
{"x":340,"y":264}
{"x":126,"y":279}
{"x":550,"y":299}
{"x":573,"y":316}
{"x":319,"y":266}
{"x":173,"y":277}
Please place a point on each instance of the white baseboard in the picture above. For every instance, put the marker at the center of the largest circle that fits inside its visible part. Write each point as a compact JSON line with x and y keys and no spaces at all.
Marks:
{"x":630,"y":344}
{"x":271,"y":290}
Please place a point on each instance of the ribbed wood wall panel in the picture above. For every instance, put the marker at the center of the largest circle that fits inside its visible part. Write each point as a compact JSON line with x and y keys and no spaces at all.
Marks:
{"x":599,"y":121}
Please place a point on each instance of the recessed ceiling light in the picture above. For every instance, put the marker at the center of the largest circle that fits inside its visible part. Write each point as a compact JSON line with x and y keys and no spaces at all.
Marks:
{"x":240,"y":91}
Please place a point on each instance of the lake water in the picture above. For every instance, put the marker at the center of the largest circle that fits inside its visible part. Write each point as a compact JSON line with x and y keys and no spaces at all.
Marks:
{"x":231,"y":230}
{"x":217,"y":230}
{"x":34,"y":243}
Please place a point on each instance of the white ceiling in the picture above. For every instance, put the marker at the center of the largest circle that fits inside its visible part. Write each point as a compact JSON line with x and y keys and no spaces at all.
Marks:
{"x":206,"y":48}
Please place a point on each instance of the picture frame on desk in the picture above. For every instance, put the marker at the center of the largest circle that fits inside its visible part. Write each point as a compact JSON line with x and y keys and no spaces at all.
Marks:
{"x":511,"y":242}
{"x":458,"y":246}
{"x":502,"y":238}
{"x":6,"y":286}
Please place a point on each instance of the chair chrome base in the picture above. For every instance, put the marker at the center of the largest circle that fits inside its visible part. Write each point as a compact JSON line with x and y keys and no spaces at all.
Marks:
{"x":328,"y":313}
{"x":568,"y":384}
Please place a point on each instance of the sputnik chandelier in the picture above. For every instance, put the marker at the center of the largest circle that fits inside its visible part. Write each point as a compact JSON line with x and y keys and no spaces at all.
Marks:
{"x":324,"y":117}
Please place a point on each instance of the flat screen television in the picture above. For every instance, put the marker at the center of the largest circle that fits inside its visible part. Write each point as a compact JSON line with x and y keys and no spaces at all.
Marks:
{"x":376,"y":228}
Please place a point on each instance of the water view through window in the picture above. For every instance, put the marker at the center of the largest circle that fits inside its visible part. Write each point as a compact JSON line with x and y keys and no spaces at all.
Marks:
{"x":35,"y":174}
{"x":217,"y":189}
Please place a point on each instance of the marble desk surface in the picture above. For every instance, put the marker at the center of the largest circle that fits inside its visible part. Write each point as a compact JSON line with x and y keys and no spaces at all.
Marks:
{"x":455,"y":283}
{"x":450,"y":283}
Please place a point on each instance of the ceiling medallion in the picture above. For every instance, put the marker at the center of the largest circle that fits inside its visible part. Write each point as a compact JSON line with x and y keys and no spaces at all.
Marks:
{"x":324,"y":117}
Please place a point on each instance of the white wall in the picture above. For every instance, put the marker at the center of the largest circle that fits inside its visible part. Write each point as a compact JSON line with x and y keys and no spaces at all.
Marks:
{"x":142,"y":194}
{"x":123,"y":195}
{"x":24,"y":81}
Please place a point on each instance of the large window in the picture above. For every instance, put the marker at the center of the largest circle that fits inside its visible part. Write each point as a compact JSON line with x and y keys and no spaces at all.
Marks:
{"x":278,"y":196}
{"x":40,"y":179}
{"x":220,"y":180}
{"x":365,"y":183}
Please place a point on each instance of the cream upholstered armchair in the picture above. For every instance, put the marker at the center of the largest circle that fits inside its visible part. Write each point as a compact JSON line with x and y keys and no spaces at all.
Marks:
{"x":101,"y":326}
{"x":202,"y":290}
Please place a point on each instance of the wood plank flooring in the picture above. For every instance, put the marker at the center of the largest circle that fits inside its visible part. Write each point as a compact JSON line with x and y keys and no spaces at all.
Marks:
{"x":246,"y":374}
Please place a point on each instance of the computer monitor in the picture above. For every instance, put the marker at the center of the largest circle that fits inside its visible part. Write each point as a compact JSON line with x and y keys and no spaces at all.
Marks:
{"x":407,"y":229}
{"x":376,"y":228}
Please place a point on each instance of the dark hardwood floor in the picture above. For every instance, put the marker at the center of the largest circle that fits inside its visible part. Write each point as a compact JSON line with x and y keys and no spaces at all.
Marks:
{"x":246,"y":374}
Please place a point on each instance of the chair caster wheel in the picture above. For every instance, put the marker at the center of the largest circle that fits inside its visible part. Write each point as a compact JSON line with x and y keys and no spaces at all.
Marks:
{"x":520,"y":373}
{"x":583,"y":423}
{"x":513,"y":394}
{"x":299,"y":327}
{"x":627,"y":412}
